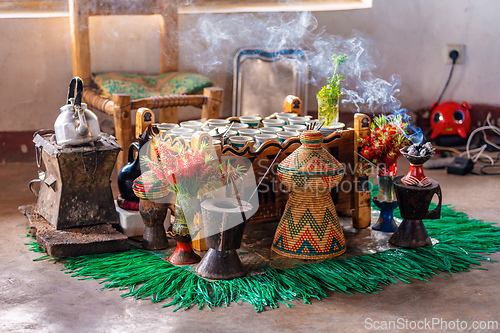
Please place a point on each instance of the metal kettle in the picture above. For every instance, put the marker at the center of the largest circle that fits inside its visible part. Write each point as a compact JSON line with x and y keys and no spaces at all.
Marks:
{"x":76,"y":125}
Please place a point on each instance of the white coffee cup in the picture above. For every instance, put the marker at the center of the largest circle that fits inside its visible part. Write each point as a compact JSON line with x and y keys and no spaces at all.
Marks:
{"x":177,"y":131}
{"x":217,"y":122}
{"x":261,"y":138}
{"x":248,"y":132}
{"x":239,"y":142}
{"x":284,"y":135}
{"x":251,"y":121}
{"x":299,"y":121}
{"x":273,"y":123}
{"x":166,"y":126}
{"x":295,"y":128}
{"x":270,"y":130}
{"x":286,"y":116}
{"x":196,"y":125}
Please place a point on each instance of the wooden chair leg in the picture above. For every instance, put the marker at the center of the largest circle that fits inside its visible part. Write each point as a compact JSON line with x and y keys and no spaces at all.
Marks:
{"x":211,"y":109}
{"x":169,"y":115}
{"x":123,"y":126}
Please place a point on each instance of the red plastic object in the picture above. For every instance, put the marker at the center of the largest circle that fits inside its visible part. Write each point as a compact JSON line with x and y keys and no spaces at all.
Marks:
{"x":416,"y":176}
{"x":450,"y":118}
{"x":127,"y":205}
{"x":184,"y":254}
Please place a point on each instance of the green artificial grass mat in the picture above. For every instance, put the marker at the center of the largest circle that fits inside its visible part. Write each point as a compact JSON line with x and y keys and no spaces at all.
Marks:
{"x":145,"y":275}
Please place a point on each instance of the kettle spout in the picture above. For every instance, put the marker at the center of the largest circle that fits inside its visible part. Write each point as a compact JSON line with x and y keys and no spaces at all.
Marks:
{"x":82,"y":129}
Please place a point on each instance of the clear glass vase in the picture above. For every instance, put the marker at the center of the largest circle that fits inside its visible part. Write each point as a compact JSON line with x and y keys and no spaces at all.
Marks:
{"x":185,"y":209}
{"x":385,"y":178}
{"x":183,"y":230}
{"x":327,"y":111}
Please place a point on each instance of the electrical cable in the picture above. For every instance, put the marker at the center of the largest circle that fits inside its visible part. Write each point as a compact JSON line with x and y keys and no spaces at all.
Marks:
{"x":485,"y":138}
{"x":453,"y":150}
{"x":485,"y":160}
{"x":467,"y":147}
{"x":485,"y":167}
{"x":480,"y":156}
{"x":454,"y":56}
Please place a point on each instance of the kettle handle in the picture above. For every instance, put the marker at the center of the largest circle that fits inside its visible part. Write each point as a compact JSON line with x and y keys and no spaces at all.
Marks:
{"x":436,"y":212}
{"x":30,"y":185}
{"x":131,"y":151}
{"x":76,"y":83}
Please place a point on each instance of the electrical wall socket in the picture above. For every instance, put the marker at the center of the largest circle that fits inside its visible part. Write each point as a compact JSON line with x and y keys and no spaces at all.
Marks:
{"x":461,"y":53}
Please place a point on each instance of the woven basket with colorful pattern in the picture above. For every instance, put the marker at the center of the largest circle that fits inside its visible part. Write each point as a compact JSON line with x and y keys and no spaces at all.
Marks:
{"x":309,"y":228}
{"x":146,"y":186}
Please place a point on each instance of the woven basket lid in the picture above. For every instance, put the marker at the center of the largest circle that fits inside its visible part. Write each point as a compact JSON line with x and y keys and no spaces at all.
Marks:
{"x":147,"y":187}
{"x":311,"y":159}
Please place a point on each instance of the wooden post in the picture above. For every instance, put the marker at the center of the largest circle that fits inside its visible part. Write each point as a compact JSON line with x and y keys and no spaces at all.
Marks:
{"x":199,"y":241}
{"x":292,"y":104}
{"x":143,"y":118}
{"x":361,"y":217}
{"x":211,"y":109}
{"x":123,"y":126}
{"x":169,"y":46}
{"x":80,"y":45}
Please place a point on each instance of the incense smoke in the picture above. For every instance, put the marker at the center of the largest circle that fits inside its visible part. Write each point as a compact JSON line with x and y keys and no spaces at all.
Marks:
{"x":413,"y":133}
{"x":213,"y":39}
{"x":208,"y":43}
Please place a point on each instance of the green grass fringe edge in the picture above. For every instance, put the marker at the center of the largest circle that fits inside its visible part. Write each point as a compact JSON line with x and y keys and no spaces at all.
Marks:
{"x":145,"y":275}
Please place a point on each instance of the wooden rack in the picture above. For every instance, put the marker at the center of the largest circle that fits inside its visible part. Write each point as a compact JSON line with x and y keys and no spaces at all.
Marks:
{"x":351,"y":197}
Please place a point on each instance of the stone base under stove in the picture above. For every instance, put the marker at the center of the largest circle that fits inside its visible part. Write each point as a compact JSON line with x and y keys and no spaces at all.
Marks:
{"x":74,"y":242}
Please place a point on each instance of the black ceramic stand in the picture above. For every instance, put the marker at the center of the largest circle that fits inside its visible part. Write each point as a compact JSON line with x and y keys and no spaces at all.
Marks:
{"x":153,"y":215}
{"x":414,"y":207}
{"x":224,"y":221}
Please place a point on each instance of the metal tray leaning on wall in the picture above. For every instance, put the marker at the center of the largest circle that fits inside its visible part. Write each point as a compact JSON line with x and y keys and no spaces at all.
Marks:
{"x":351,"y":197}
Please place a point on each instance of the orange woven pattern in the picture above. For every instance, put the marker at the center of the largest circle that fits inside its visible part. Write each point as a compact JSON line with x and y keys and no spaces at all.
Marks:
{"x":309,"y":229}
{"x":146,"y":187}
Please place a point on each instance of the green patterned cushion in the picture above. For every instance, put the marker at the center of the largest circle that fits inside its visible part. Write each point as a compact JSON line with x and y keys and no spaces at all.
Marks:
{"x":138,"y":86}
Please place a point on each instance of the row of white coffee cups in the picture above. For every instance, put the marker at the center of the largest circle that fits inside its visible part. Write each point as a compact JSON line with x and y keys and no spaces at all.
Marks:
{"x":284,"y":126}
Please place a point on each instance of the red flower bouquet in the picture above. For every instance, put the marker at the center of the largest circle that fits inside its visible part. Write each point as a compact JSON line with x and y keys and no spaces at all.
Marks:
{"x":189,"y":173}
{"x":381,"y":148}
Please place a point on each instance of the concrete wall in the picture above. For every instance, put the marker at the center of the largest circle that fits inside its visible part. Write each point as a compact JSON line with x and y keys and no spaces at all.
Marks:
{"x":411,"y":36}
{"x":35,"y":53}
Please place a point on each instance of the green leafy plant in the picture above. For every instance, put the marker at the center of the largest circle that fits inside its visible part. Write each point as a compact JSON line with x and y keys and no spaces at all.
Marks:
{"x":328,"y":96}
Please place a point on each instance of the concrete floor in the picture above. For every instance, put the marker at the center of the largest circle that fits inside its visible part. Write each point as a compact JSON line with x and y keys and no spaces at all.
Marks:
{"x":37,"y":296}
